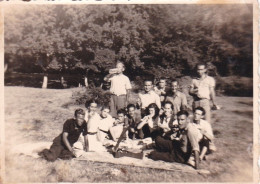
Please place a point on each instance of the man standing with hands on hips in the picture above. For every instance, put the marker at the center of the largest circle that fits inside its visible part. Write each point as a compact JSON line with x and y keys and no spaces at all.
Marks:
{"x":120,"y":88}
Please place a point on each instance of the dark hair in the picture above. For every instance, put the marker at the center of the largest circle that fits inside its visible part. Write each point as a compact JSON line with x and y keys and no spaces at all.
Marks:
{"x":121,"y":111}
{"x":105,"y":107}
{"x":148,"y":79}
{"x":79,"y":111}
{"x":182,"y":112}
{"x":201,"y":109}
{"x":168,"y":102}
{"x":174,"y":80}
{"x":162,"y":78}
{"x":153,"y":105}
{"x":88,"y":102}
{"x":201,"y":64}
{"x":130,"y":105}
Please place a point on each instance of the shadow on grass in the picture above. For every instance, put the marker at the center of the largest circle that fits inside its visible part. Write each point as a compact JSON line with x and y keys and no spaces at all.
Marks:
{"x":247,"y":103}
{"x":248,"y":114}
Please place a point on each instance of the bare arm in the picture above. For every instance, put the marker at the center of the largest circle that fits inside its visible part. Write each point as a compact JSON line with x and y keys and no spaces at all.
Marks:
{"x":142,"y":123}
{"x":66,"y":142}
{"x":107,"y":77}
{"x":212,"y":95}
{"x":127,"y":96}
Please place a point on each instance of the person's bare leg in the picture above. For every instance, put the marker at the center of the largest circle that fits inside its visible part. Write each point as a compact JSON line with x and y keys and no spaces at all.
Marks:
{"x":197,"y":159}
{"x":203,"y":152}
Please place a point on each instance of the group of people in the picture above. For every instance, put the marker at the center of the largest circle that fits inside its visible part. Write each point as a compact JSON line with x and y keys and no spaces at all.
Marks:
{"x":159,"y":112}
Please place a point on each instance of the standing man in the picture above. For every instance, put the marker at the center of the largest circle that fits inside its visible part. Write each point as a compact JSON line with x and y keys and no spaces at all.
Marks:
{"x":177,"y":98}
{"x":162,"y":90}
{"x":203,"y":90}
{"x":147,"y":97}
{"x":120,"y":88}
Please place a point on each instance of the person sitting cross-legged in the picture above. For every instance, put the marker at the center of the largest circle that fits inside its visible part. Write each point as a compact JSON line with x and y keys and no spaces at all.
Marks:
{"x":62,"y":146}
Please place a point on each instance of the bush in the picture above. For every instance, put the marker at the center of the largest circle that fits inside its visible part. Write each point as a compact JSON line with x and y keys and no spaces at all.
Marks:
{"x":97,"y":93}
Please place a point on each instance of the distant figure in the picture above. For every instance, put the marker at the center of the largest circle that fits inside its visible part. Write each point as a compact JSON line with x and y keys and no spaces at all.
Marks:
{"x":120,"y":88}
{"x":147,"y":97}
{"x":162,"y":90}
{"x":177,"y":98}
{"x":62,"y":146}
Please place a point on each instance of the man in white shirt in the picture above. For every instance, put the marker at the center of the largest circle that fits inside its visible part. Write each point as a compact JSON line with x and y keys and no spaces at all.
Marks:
{"x":203,"y":90}
{"x":120,"y":89}
{"x":147,"y":97}
{"x":199,"y":133}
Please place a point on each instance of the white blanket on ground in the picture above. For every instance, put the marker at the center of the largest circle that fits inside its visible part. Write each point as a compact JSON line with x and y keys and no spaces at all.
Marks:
{"x":32,"y":149}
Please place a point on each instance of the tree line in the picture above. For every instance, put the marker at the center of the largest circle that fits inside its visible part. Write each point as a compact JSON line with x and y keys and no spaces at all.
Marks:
{"x":157,"y":40}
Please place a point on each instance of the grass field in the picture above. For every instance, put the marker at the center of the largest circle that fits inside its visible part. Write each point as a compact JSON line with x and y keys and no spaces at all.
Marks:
{"x":33,"y":115}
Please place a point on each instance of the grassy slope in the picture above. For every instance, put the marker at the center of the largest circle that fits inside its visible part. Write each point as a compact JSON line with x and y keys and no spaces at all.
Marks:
{"x":33,"y":115}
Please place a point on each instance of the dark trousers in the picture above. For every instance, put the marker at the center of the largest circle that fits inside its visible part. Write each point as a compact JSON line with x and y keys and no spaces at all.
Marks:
{"x":168,"y":151}
{"x":57,"y":150}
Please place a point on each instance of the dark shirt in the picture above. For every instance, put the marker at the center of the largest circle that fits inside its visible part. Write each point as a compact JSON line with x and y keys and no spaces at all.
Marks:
{"x":132,"y":122}
{"x":73,"y":130}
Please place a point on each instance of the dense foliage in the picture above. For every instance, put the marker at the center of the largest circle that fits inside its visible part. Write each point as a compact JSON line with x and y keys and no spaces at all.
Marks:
{"x":157,"y":40}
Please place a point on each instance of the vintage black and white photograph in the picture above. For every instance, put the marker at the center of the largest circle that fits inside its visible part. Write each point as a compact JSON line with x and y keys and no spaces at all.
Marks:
{"x":97,"y":93}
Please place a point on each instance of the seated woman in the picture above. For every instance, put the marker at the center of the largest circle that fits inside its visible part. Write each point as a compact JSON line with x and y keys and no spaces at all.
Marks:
{"x":105,"y":123}
{"x":93,"y":119}
{"x":150,"y":122}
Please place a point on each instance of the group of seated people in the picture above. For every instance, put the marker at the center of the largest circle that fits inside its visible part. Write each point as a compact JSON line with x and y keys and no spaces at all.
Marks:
{"x":176,"y":136}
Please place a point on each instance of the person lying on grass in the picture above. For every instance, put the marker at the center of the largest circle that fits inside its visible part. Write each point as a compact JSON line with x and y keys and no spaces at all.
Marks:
{"x":118,"y":125}
{"x":62,"y":146}
{"x":150,"y":122}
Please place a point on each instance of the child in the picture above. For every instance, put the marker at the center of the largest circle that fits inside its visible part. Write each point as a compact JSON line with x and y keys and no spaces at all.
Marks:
{"x":62,"y":146}
{"x":120,"y":88}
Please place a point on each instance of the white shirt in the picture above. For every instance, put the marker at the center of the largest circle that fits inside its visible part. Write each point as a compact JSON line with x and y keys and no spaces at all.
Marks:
{"x":164,"y":124}
{"x":119,"y":84}
{"x":148,"y":98}
{"x":203,"y":125}
{"x":92,"y":122}
{"x":106,"y":123}
{"x":203,"y":86}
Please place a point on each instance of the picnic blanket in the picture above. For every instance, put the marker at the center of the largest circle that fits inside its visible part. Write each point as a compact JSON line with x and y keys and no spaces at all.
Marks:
{"x":32,"y":149}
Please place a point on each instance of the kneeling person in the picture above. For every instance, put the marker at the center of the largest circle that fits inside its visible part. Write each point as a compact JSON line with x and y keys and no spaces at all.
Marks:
{"x":62,"y":146}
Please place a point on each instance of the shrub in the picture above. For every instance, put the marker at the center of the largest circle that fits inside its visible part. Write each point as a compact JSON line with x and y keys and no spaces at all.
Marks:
{"x":97,"y":93}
